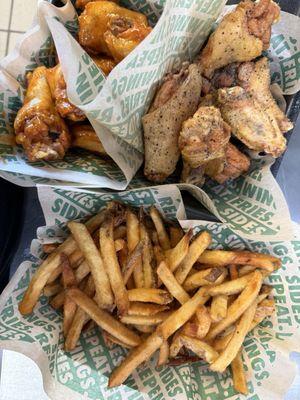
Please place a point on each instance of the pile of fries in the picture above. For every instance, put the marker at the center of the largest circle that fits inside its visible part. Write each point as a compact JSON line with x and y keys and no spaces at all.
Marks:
{"x":149,"y":286}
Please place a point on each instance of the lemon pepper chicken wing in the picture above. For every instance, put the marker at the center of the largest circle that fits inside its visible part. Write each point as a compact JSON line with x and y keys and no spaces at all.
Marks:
{"x":255,"y":78}
{"x":241,"y":36}
{"x":248,"y":121}
{"x":105,"y":27}
{"x":38,"y":126}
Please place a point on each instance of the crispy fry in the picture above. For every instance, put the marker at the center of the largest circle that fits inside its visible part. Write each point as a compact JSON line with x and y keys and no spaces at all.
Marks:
{"x":80,"y":318}
{"x":210,"y":276}
{"x":238,"y":374}
{"x":154,"y":319}
{"x":122,"y":258}
{"x":145,"y":329}
{"x":111,"y":340}
{"x":132,"y":261}
{"x":69,"y":281}
{"x":163,"y":237}
{"x":183,"y":360}
{"x":176,"y":344}
{"x":112,"y":266}
{"x":183,"y":314}
{"x":200,"y":348}
{"x":150,"y":295}
{"x":246,"y":269}
{"x":231,"y":287}
{"x":75,"y":258}
{"x":52,"y":289}
{"x":58,"y":300}
{"x":133,"y":238}
{"x":138,"y":355}
{"x":200,"y":243}
{"x":176,"y":255}
{"x":163,"y":357}
{"x":176,"y":234}
{"x":223,"y":258}
{"x":218,"y":308}
{"x":120,"y":232}
{"x":199,"y":324}
{"x":238,"y":307}
{"x":48,"y":248}
{"x":149,"y":279}
{"x":233,"y":347}
{"x":171,"y":283}
{"x":233,"y":271}
{"x":158,"y":254}
{"x":146,"y":309}
{"x":82,"y":271}
{"x":91,"y":253}
{"x":103,"y":319}
{"x":119,"y":244}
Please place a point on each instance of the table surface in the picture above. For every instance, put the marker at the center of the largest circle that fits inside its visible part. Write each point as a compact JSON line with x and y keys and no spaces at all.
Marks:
{"x":21,"y":379}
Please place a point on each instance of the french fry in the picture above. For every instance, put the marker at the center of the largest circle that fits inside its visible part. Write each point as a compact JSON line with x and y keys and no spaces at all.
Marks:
{"x":231,"y":287}
{"x":146,"y":309}
{"x":176,"y":234}
{"x":82,"y":271}
{"x":182,"y":314}
{"x":236,"y":341}
{"x":145,"y":329}
{"x":163,"y":237}
{"x":112,"y":266}
{"x":48,"y":248}
{"x":69,"y":281}
{"x":133,"y":260}
{"x":111,"y":340}
{"x":91,"y":253}
{"x":200,"y":348}
{"x":103,"y":318}
{"x":176,"y":255}
{"x":222,"y":258}
{"x":119,"y":244}
{"x":120,"y":232}
{"x":154,"y":319}
{"x":200,"y":243}
{"x":218,"y":308}
{"x":58,"y":301}
{"x":164,"y":351}
{"x":246,"y":269}
{"x":210,"y":276}
{"x":233,"y":271}
{"x":158,"y":254}
{"x":239,"y":306}
{"x":136,"y":357}
{"x":199,"y":324}
{"x":75,"y":258}
{"x":176,"y":344}
{"x":52,"y":289}
{"x":238,"y":374}
{"x":149,"y":280}
{"x":80,"y":318}
{"x":133,"y":238}
{"x":150,"y":295}
{"x":171,"y":283}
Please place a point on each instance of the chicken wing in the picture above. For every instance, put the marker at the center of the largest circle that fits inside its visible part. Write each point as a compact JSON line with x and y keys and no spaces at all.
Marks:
{"x":203,"y":137}
{"x":255,"y":78}
{"x":82,"y":3}
{"x":105,"y":27}
{"x":84,"y":136}
{"x":248,"y":121}
{"x":106,"y":64}
{"x":236,"y":163}
{"x":175,"y":101}
{"x":58,"y":89}
{"x":241,"y":36}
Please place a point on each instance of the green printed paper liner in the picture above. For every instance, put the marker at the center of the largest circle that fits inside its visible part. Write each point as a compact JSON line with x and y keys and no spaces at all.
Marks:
{"x":83,"y":373}
{"x":252,"y":205}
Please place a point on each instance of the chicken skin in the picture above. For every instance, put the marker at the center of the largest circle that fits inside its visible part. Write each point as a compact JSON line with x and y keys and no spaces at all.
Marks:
{"x":80,"y":4}
{"x":38,"y":126}
{"x":241,"y":36}
{"x":105,"y":27}
{"x":255,"y":78}
{"x":249,"y":122}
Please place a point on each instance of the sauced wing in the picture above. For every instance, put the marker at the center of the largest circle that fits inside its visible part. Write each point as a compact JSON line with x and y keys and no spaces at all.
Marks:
{"x":82,"y":3}
{"x":241,"y":36}
{"x":248,"y":121}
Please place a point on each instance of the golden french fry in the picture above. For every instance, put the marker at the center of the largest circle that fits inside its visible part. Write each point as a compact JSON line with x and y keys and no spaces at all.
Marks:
{"x":75,"y":258}
{"x":210,"y":276}
{"x":91,"y":253}
{"x":222,"y":258}
{"x":58,"y":300}
{"x":231,"y":287}
{"x":112,"y":266}
{"x":200,"y":348}
{"x":246,"y":269}
{"x":137,"y":356}
{"x":200,"y":243}
{"x":182,"y":314}
{"x":233,"y":271}
{"x":120,"y":232}
{"x":176,"y":234}
{"x":149,"y":279}
{"x":176,"y":345}
{"x":110,"y":340}
{"x":176,"y":255}
{"x":48,"y":248}
{"x":238,"y":374}
{"x":119,"y":244}
{"x":150,"y":295}
{"x":236,"y":341}
{"x":145,"y":329}
{"x":164,"y":351}
{"x":146,"y":309}
{"x":158,"y":254}
{"x":133,"y":261}
{"x":82,"y":271}
{"x":133,"y":238}
{"x":239,"y":306}
{"x":171,"y":283}
{"x":103,"y":318}
{"x":163,"y":237}
{"x":218,"y":307}
{"x":80,"y":318}
{"x":69,"y":281}
{"x":199,"y":324}
{"x":52,"y":289}
{"x":154,"y":319}
{"x":221,"y":343}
